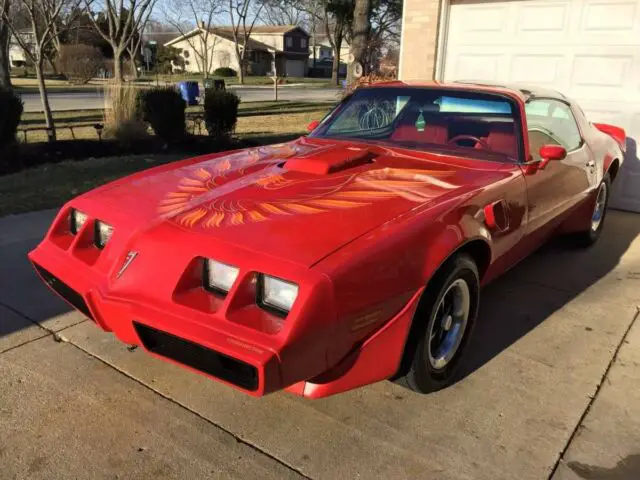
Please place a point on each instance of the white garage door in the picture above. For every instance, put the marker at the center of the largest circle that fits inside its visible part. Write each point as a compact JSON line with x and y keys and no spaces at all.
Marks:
{"x":295,"y":68}
{"x":587,"y":49}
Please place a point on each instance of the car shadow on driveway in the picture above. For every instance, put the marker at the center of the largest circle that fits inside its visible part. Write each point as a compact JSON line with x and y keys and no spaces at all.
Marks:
{"x":550,"y":279}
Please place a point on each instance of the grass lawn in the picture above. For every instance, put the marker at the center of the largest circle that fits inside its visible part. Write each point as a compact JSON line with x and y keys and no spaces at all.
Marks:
{"x":30,"y":85}
{"x":255,"y":118}
{"x":51,"y":185}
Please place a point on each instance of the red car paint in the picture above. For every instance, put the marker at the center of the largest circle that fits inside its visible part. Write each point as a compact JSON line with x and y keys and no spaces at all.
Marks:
{"x":359,"y":227}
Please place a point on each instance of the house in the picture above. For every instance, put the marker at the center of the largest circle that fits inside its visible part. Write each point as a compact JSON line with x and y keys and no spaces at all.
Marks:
{"x":587,"y":49}
{"x":324,"y":56}
{"x":17,"y":56}
{"x":286,"y":44}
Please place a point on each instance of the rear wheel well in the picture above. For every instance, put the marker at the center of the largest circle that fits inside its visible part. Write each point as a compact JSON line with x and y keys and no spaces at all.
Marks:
{"x":613,"y":169}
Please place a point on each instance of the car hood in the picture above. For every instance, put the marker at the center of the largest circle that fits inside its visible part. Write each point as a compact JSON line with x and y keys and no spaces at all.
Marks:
{"x":298,"y":201}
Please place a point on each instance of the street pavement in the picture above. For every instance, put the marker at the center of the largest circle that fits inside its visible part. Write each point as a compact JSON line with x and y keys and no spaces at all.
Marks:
{"x":550,"y":390}
{"x":95,"y":100}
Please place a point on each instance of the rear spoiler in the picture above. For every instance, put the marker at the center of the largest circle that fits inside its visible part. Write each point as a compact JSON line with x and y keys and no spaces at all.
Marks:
{"x":617,"y":133}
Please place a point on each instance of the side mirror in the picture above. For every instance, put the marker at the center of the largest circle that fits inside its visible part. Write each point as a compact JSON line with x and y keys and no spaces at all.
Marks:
{"x":551,"y":152}
{"x":312,"y":126}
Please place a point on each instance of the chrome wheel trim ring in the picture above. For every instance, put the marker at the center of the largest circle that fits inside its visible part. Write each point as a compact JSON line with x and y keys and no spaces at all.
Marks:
{"x":598,"y":209}
{"x":450,"y":323}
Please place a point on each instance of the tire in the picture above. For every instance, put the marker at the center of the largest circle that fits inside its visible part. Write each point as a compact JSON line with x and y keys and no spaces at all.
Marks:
{"x":425,"y":367}
{"x":590,"y":236}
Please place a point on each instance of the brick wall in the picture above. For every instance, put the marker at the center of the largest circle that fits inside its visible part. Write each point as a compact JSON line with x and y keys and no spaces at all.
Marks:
{"x":419,"y":39}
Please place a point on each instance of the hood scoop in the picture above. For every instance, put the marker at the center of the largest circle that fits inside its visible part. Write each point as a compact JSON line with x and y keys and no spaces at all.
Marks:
{"x":330,"y":160}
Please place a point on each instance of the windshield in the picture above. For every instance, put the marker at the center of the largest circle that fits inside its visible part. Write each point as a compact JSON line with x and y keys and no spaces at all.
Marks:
{"x":427,"y":119}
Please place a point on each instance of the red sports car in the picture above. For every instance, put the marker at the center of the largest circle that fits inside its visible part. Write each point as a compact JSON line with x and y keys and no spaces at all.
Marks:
{"x":349,"y":256}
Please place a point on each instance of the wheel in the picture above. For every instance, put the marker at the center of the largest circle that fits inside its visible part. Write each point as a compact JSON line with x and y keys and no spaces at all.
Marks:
{"x":442,"y":327}
{"x":590,"y":236}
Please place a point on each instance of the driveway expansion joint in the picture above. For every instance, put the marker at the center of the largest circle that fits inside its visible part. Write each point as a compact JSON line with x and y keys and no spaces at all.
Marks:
{"x":237,"y":438}
{"x":593,"y":397}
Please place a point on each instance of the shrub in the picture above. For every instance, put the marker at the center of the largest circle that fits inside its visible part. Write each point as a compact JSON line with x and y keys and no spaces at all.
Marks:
{"x":120,"y":119}
{"x":11,"y":108}
{"x":164,"y":109}
{"x":80,"y":63}
{"x":220,"y":113}
{"x":225,"y":72}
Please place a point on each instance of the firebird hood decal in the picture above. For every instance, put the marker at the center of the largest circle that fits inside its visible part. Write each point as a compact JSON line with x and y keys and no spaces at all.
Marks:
{"x":200,"y":198}
{"x":250,"y":199}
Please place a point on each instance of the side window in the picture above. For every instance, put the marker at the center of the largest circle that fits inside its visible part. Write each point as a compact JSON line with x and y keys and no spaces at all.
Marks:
{"x":289,"y":41}
{"x":551,"y":122}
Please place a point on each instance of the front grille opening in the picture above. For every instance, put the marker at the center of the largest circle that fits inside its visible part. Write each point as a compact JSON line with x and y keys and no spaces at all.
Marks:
{"x":196,"y":356}
{"x":65,"y":291}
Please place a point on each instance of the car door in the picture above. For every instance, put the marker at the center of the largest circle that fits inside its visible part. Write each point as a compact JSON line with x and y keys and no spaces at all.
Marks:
{"x":552,"y":192}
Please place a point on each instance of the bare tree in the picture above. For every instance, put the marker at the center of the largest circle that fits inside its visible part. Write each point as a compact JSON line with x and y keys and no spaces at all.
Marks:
{"x":243,"y":15}
{"x":183,"y":15}
{"x":133,"y":47}
{"x":277,"y":12}
{"x":337,"y":16}
{"x":361,"y":29}
{"x":5,"y":41}
{"x":120,"y":25}
{"x":43,"y":15}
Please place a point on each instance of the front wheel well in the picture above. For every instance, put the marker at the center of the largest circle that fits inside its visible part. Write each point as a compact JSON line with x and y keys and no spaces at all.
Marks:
{"x":480,"y":251}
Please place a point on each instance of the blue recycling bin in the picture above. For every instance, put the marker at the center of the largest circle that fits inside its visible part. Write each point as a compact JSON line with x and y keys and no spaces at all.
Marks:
{"x":190,"y":92}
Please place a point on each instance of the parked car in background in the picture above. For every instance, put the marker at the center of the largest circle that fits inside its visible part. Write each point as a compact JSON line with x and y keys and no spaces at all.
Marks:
{"x":350,"y":256}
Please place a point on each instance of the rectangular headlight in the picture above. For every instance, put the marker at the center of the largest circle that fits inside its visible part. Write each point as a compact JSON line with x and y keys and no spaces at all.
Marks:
{"x":278,"y":294}
{"x":103,"y":233}
{"x":219,"y":276}
{"x":76,"y":220}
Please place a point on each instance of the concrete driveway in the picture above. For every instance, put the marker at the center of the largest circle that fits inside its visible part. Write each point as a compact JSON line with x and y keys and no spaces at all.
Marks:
{"x":552,"y":389}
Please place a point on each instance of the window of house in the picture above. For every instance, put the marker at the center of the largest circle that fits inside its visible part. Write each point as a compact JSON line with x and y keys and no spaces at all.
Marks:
{"x":303,"y":43}
{"x":289,"y":42}
{"x":551,"y":122}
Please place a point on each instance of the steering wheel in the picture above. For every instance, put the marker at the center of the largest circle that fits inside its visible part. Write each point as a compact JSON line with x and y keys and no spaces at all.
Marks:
{"x":482,"y":143}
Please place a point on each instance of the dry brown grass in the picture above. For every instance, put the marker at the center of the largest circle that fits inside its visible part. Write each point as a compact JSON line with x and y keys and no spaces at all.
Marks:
{"x":120,"y":120}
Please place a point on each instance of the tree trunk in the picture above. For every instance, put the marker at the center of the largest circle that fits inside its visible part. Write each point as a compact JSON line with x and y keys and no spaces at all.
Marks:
{"x":240,"y":69}
{"x":134,"y":67}
{"x":45,"y":98}
{"x":335,"y":67}
{"x":5,"y":78}
{"x":52,"y":65}
{"x":118,"y":76}
{"x":361,"y":31}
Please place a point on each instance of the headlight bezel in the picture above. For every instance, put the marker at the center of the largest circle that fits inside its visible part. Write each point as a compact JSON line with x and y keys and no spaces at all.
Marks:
{"x":271,"y":307}
{"x":97,"y":234}
{"x":74,"y":228}
{"x":208,"y":285}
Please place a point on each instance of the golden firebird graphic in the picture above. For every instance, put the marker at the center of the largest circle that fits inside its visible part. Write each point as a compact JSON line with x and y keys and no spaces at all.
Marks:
{"x":226,"y":192}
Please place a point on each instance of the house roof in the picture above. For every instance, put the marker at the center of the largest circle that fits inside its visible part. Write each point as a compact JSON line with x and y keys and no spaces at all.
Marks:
{"x":271,"y":29}
{"x":222,"y":32}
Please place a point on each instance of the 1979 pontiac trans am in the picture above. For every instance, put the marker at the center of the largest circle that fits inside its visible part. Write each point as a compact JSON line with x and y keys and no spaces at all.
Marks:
{"x":349,"y":256}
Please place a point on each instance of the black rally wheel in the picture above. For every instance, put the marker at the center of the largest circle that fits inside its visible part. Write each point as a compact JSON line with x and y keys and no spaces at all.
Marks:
{"x":442,"y":327}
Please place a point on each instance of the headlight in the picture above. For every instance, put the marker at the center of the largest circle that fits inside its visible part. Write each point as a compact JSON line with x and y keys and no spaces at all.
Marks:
{"x":76,"y":220}
{"x":219,"y":276}
{"x":103,"y":233}
{"x":278,"y":294}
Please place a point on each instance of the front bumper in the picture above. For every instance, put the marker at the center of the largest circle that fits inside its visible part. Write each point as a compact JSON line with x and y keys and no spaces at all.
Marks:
{"x":176,"y":320}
